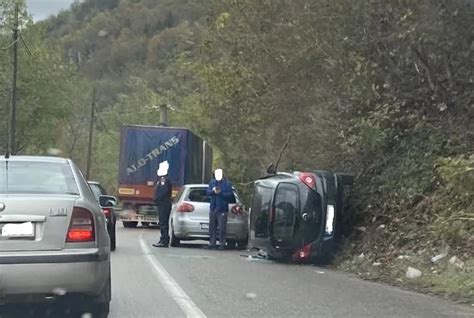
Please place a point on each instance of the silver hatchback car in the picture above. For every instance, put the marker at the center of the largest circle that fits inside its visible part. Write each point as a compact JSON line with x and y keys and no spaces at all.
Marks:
{"x":53,"y":236}
{"x":189,"y":218}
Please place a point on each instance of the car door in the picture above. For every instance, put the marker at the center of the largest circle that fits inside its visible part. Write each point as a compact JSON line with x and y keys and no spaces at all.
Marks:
{"x":283,"y":215}
{"x":260,"y":214}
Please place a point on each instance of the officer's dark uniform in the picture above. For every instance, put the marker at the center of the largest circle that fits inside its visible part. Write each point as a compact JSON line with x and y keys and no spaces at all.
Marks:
{"x":163,"y":202}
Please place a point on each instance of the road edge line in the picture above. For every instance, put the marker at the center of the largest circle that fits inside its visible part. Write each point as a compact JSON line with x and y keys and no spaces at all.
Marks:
{"x":186,"y":304}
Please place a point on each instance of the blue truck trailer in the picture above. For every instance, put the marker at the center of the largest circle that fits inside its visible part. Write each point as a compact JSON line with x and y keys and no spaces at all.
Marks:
{"x":142,"y":149}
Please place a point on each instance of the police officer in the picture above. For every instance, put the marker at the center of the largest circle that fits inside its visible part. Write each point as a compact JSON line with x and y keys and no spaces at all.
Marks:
{"x":221,"y":193}
{"x":163,"y":202}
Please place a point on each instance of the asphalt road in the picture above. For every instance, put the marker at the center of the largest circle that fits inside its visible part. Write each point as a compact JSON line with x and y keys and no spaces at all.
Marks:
{"x":194,"y":282}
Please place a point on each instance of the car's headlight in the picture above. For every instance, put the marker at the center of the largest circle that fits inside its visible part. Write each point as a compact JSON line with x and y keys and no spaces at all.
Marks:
{"x":330,"y":219}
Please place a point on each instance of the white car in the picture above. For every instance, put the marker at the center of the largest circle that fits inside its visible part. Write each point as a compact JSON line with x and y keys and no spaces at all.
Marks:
{"x":189,"y":218}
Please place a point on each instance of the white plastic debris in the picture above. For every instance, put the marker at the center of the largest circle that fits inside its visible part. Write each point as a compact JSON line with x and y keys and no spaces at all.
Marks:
{"x":376,"y":264}
{"x":413,"y":273}
{"x":59,"y":291}
{"x":251,"y":295}
{"x":319,"y":272}
{"x":438,"y":257}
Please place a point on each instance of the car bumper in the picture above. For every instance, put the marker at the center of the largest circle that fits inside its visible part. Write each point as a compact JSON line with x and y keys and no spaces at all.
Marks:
{"x":43,"y":275}
{"x":194,"y":230}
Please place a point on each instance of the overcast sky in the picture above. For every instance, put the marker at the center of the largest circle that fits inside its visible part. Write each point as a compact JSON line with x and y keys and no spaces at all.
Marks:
{"x":41,"y":9}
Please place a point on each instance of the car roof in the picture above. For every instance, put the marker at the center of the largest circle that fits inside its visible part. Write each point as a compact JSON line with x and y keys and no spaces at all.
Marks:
{"x":277,"y":178}
{"x":35,"y":159}
{"x":196,"y":185}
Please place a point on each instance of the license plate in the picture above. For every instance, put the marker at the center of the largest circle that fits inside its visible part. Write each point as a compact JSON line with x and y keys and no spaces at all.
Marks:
{"x":204,"y":226}
{"x":18,"y":230}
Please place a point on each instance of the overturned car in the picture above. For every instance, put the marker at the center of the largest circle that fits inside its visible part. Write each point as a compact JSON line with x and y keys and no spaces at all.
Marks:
{"x":299,"y":216}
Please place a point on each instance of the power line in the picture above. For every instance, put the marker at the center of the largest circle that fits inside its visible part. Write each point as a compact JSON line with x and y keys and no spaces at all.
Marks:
{"x":99,"y":116}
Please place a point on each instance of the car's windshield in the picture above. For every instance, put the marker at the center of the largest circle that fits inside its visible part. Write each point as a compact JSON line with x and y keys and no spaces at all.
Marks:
{"x":22,"y":177}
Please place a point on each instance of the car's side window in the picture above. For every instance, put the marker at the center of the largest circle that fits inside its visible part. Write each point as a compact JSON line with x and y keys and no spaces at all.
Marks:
{"x":261,"y":205}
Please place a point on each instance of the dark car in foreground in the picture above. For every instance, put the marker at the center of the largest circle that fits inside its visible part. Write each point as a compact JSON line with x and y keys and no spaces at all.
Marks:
{"x":108,"y":204}
{"x":298,"y":216}
{"x":53,"y":239}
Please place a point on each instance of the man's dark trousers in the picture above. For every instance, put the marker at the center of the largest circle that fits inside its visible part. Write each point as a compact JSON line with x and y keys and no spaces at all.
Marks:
{"x":217,"y":220}
{"x":164,"y":210}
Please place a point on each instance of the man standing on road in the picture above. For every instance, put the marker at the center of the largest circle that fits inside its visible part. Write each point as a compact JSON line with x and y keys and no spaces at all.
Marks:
{"x":221,"y":193}
{"x":163,"y":202}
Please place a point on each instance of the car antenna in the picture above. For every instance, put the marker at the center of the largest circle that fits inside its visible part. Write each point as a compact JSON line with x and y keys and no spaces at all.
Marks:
{"x":272,"y":169}
{"x":281,"y":154}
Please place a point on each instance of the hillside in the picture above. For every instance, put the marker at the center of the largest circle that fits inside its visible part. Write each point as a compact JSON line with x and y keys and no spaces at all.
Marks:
{"x":382,"y":90}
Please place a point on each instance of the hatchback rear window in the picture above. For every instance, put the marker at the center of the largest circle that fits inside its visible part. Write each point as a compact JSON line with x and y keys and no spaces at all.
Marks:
{"x":198,"y":195}
{"x":20,"y":177}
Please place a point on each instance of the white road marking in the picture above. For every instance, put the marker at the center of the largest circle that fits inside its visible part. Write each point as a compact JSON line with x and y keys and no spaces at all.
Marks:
{"x":170,"y":285}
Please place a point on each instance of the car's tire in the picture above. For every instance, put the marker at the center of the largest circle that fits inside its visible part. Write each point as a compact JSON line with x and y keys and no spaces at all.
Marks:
{"x":174,"y":241}
{"x":100,"y":306}
{"x":242,"y":244}
{"x":113,"y":240}
{"x":101,"y":310}
{"x":145,"y":223}
{"x":129,"y":224}
{"x":230,"y":244}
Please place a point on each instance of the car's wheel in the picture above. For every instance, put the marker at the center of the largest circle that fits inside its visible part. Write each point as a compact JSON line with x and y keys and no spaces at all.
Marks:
{"x":113,"y":240}
{"x":101,"y":310}
{"x":175,"y":242}
{"x":242,"y":244}
{"x":230,"y":244}
{"x":100,"y":306}
{"x":129,"y":224}
{"x":145,"y":223}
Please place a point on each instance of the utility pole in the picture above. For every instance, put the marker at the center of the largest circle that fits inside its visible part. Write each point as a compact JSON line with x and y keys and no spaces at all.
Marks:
{"x":91,"y":131}
{"x":12,"y":127}
{"x":164,"y":115}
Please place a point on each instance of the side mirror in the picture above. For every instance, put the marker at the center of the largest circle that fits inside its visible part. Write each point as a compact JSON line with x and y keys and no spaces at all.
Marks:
{"x":107,"y":201}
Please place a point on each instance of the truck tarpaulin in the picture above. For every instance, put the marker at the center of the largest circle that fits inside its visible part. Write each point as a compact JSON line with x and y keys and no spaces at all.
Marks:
{"x":144,"y":147}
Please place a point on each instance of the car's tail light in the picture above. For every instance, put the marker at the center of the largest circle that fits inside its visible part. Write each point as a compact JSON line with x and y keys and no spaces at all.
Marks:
{"x":303,"y":254}
{"x":308,"y":179}
{"x":81,"y":227}
{"x":107,"y":211}
{"x":185,"y":207}
{"x":237,"y":209}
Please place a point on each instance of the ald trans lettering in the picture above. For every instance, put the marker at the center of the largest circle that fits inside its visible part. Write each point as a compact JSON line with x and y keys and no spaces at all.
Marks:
{"x":173,"y":141}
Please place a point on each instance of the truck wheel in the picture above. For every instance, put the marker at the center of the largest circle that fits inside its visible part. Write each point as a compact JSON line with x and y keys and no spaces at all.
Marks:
{"x":145,"y":223}
{"x":130,"y":224}
{"x":175,"y":242}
